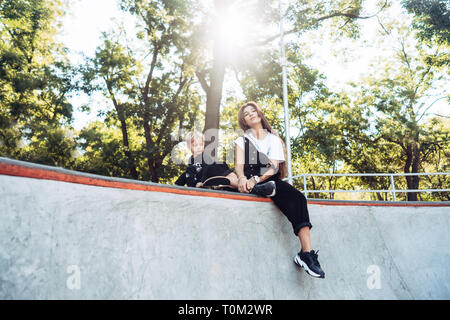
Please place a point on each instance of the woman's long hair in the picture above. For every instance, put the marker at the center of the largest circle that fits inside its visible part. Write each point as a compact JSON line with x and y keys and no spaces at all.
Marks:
{"x":265,"y":124}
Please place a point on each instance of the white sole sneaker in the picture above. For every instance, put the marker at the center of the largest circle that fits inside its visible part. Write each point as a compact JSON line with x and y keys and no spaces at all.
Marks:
{"x":303,"y":265}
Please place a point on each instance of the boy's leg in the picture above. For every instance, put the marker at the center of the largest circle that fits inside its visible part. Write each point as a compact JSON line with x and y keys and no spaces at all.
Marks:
{"x":217,"y":169}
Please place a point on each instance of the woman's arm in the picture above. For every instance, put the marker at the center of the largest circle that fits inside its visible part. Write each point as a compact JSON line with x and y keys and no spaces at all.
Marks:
{"x":252,"y":182}
{"x":239,"y":160}
{"x":269,"y":172}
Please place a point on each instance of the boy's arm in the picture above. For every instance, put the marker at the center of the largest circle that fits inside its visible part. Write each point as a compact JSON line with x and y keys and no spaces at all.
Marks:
{"x":181,"y":181}
{"x":204,"y":173}
{"x":191,"y":173}
{"x":206,"y":162}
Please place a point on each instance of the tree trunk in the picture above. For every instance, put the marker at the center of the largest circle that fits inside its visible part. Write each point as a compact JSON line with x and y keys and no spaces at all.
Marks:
{"x":379,"y":196}
{"x":412,"y":166}
{"x":149,"y":143}
{"x":214,"y":94}
{"x":127,"y":151}
{"x":215,"y":88}
{"x":415,"y":169}
{"x":152,"y":167}
{"x":213,"y":99}
{"x":330,"y":194}
{"x":126,"y":146}
{"x":315,"y":194}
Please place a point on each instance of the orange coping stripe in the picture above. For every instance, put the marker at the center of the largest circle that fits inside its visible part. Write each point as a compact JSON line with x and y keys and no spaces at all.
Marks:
{"x":38,"y":173}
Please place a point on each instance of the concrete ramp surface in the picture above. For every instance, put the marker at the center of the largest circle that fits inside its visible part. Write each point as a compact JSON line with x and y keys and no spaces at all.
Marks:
{"x":69,"y":235}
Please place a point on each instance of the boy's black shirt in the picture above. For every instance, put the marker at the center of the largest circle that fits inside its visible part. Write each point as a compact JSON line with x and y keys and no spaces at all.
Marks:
{"x":201,"y":168}
{"x":196,"y":171}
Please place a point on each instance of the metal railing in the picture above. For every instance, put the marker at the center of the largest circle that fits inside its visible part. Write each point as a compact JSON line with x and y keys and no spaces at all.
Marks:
{"x":393,"y":190}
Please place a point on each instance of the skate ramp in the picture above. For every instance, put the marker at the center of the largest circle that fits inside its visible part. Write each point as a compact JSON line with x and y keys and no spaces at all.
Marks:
{"x":69,"y":235}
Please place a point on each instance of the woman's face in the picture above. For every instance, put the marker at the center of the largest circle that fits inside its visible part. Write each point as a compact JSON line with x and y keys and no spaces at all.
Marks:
{"x":251,"y":116}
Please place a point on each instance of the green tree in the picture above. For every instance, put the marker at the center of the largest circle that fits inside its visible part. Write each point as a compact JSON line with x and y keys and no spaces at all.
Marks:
{"x":103,"y":149}
{"x":399,"y":94}
{"x":217,"y":52}
{"x":338,"y":135}
{"x":149,"y":83}
{"x":35,"y":83}
{"x":382,"y":128}
{"x":116,"y":69}
{"x":437,"y":158}
{"x":431,"y":19}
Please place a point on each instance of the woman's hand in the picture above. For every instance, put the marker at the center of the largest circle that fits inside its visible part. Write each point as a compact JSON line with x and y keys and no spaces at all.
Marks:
{"x":242,"y":185}
{"x":199,"y":185}
{"x":250,"y":184}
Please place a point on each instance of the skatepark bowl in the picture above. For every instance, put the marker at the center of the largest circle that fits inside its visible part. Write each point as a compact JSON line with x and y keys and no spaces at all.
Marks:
{"x":72,"y":235}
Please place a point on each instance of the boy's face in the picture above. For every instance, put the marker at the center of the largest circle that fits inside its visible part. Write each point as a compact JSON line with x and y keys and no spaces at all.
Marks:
{"x":197,"y":147}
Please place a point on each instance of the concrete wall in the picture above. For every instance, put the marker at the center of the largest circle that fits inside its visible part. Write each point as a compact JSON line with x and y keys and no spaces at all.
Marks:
{"x":62,"y":240}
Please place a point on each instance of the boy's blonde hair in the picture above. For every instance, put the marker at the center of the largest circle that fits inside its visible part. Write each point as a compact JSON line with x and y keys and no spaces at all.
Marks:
{"x":194,"y":136}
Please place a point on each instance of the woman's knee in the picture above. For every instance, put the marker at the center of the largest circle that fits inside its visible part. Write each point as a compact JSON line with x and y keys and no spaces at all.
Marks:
{"x":286,"y":188}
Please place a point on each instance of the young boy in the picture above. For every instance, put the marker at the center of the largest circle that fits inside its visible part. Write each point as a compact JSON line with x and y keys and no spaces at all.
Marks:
{"x":201,"y":166}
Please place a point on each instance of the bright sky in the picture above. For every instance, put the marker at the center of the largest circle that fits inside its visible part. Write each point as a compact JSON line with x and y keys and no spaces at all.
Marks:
{"x":82,"y":28}
{"x":87,"y":19}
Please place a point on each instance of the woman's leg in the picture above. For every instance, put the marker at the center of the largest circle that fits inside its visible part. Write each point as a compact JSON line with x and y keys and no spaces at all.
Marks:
{"x":294,"y":206}
{"x":233,"y":180}
{"x":222,"y":169}
{"x":305,"y":239}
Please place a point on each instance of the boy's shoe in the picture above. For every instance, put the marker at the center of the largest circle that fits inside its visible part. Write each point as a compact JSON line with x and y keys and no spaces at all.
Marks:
{"x":308,"y":261}
{"x":267,"y":189}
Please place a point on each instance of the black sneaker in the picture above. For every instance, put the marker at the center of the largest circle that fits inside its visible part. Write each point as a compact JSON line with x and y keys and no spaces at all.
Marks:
{"x":267,"y":189}
{"x":308,"y":261}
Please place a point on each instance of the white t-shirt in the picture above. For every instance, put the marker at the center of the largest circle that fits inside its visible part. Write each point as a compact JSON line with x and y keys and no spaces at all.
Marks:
{"x":271,"y":145}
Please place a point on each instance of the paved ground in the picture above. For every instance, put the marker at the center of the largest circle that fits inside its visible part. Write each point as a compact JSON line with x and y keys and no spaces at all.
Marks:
{"x":62,"y":240}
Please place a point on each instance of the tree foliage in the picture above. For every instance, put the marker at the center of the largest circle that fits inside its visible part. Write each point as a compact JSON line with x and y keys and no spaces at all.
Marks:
{"x":168,"y":75}
{"x":381,"y":128}
{"x":431,"y":19}
{"x":35,"y":83}
{"x":154,"y":95}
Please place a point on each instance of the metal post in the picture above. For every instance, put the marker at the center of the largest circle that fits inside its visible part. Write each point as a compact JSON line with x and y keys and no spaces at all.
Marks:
{"x":393,"y":188}
{"x":304,"y":187}
{"x":285,"y":99}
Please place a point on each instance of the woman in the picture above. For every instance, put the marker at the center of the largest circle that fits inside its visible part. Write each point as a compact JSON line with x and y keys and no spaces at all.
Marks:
{"x":260,"y":167}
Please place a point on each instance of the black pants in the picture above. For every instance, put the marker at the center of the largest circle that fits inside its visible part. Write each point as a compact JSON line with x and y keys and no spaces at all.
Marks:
{"x":292,"y":203}
{"x":216,"y":169}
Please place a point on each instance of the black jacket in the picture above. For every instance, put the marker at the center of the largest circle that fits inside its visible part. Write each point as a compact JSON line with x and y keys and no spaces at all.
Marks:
{"x":195,"y":172}
{"x":201,"y":168}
